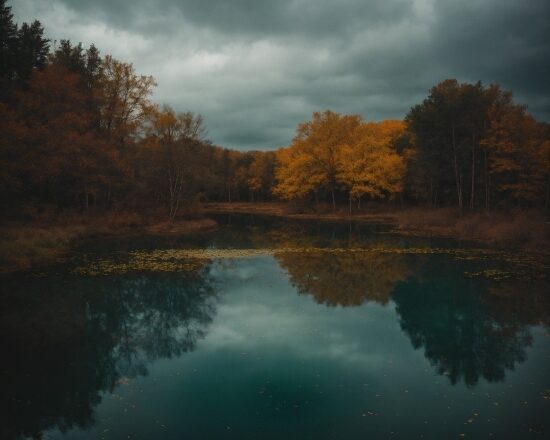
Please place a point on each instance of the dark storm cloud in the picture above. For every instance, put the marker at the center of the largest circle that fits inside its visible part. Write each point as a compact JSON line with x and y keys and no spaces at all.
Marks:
{"x":255,"y":69}
{"x":253,"y":17}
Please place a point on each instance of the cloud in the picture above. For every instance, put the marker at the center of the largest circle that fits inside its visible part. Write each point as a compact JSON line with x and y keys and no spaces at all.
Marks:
{"x":255,"y":69}
{"x":260,"y":308}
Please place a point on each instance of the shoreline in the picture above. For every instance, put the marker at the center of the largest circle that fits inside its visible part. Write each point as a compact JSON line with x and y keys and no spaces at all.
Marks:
{"x":40,"y":242}
{"x":35,"y":244}
{"x":519,"y":231}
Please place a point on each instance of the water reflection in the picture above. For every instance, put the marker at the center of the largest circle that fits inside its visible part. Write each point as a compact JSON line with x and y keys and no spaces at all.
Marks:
{"x":459,"y":328}
{"x":246,"y":231}
{"x":468,"y":329}
{"x":345,"y":279}
{"x":69,"y":340}
{"x":519,"y":304}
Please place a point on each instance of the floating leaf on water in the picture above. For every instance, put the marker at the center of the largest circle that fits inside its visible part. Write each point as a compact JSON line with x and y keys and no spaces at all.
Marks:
{"x":519,"y":265}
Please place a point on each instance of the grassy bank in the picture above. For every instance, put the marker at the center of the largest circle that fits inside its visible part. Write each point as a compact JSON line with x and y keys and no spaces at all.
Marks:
{"x":42,"y":241}
{"x":520,"y":229}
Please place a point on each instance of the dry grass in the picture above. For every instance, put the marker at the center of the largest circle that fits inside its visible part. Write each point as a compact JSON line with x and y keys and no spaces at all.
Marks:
{"x":525,"y":229}
{"x":181,"y":227}
{"x":265,"y":208}
{"x":46,"y":238}
{"x":27,"y":246}
{"x":520,"y":229}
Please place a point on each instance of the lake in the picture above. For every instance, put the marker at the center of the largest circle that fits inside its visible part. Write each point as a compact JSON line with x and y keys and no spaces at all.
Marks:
{"x":270,"y":329}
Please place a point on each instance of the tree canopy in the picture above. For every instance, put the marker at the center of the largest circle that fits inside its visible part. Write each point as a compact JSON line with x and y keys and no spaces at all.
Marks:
{"x":80,"y":130}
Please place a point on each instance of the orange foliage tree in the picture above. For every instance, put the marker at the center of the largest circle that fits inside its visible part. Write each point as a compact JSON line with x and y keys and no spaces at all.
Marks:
{"x":334,"y":151}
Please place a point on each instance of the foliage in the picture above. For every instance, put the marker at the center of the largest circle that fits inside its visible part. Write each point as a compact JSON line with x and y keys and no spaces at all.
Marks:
{"x":80,"y":130}
{"x":471,"y":140}
{"x":372,"y":166}
{"x":334,"y":151}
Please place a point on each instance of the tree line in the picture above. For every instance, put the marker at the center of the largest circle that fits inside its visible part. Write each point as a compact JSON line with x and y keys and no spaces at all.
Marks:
{"x":464,"y":145}
{"x":79,"y":130}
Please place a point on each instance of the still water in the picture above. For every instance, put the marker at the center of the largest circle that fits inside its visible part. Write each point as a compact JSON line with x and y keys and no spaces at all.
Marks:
{"x":270,"y":329}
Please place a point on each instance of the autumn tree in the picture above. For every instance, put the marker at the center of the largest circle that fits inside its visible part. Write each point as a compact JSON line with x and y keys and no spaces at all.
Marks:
{"x":80,"y":129}
{"x":518,"y":151}
{"x":341,"y":152}
{"x":125,"y":100}
{"x":370,"y":165}
{"x":315,"y":153}
{"x":479,"y":136}
{"x":294,"y":177}
{"x":261,"y":174}
{"x":174,"y":144}
{"x":88,"y":63}
{"x":57,"y":153}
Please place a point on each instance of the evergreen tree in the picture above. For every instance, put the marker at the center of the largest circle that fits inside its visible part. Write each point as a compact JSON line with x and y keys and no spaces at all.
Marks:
{"x":32,"y":49}
{"x":8,"y":41}
{"x":73,"y":58}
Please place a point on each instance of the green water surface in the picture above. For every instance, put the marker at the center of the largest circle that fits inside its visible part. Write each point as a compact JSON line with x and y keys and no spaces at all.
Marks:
{"x":281,"y":330}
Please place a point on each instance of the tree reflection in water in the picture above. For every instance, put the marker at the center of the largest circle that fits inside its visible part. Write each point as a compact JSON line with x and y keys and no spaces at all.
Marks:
{"x":460,"y":338}
{"x":464,"y":326}
{"x":79,"y":337}
{"x":345,"y":279}
{"x":469,"y":328}
{"x":68,"y":340}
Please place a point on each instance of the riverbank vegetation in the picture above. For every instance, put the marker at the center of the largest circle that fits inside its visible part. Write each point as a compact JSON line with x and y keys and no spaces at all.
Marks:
{"x":515,"y":228}
{"x":80,"y":133}
{"x":47,"y":238}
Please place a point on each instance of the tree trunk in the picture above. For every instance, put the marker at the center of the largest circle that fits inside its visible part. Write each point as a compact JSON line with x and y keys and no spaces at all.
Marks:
{"x":108,"y":201}
{"x":458,"y":183}
{"x":457,"y":174}
{"x":175,"y":187}
{"x":431,"y":191}
{"x":333,"y":198}
{"x":350,"y":204}
{"x":472,"y":194}
{"x":486,"y":182}
{"x":547,"y":198}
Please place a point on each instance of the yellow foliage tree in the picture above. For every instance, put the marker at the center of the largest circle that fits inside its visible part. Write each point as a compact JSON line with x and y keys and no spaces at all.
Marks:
{"x":371,"y":166}
{"x":341,"y":151}
{"x":293,"y":175}
{"x":311,"y":161}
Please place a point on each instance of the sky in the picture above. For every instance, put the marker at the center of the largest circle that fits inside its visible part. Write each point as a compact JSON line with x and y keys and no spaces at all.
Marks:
{"x":256,"y":68}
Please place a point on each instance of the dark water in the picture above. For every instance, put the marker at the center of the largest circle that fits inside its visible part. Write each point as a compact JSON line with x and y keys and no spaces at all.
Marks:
{"x":416,"y":339}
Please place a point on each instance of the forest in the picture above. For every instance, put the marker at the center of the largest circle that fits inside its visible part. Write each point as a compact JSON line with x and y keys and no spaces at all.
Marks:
{"x":274,"y":219}
{"x":79,"y":132}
